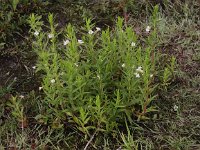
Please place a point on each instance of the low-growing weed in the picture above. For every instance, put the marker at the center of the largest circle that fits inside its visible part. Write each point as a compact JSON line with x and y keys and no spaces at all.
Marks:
{"x":95,"y":79}
{"x":18,"y":111}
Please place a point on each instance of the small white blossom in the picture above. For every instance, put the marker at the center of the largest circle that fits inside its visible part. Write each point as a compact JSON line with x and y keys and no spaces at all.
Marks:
{"x":123,"y":65}
{"x":53,"y":80}
{"x":175,"y":108}
{"x":50,"y":35}
{"x":34,"y":42}
{"x":36,"y":33}
{"x":76,"y":64}
{"x":137,"y":75}
{"x":139,"y":69}
{"x":90,"y":32}
{"x":133,"y":44}
{"x":34,"y":67}
{"x":80,"y":42}
{"x":98,"y":29}
{"x":40,"y":88}
{"x":98,"y":76}
{"x":15,"y":78}
{"x":66,"y":42}
{"x":21,"y":96}
{"x":151,"y":75}
{"x":148,"y":28}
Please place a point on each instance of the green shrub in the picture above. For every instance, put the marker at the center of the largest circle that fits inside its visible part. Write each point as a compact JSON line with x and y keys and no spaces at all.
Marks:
{"x":96,"y":81}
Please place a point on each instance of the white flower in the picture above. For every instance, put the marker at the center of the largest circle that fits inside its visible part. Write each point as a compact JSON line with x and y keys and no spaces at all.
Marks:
{"x":98,"y":76}
{"x":36,"y":33}
{"x":133,"y":44}
{"x":80,"y":42}
{"x":34,"y":67}
{"x":34,"y":42}
{"x":98,"y":29}
{"x":90,"y":32}
{"x":175,"y":108}
{"x":123,"y":65}
{"x":21,"y":96}
{"x":151,"y":75}
{"x":50,"y":35}
{"x":53,"y":80}
{"x":139,"y":69}
{"x":76,"y":64}
{"x":137,"y":75}
{"x":148,"y":28}
{"x":40,"y":88}
{"x":66,"y":42}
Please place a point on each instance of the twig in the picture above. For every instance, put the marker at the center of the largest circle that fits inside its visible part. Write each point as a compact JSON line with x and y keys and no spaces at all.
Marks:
{"x":92,"y":137}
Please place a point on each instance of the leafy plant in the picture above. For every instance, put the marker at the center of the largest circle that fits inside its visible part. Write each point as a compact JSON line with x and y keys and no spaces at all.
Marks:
{"x":18,"y":111}
{"x":98,"y":80}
